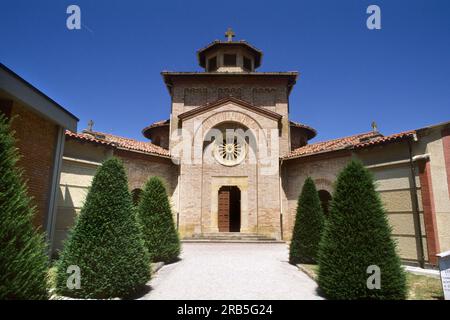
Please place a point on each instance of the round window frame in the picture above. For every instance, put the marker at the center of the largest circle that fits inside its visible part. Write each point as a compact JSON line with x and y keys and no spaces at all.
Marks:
{"x":229,"y":163}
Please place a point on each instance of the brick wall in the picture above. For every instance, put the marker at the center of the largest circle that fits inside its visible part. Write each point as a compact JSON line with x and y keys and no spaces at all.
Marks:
{"x":36,"y":140}
{"x":323,"y":169}
{"x":140,"y":167}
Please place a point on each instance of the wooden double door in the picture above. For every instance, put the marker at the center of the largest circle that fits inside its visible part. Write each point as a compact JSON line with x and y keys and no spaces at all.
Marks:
{"x":229,"y":209}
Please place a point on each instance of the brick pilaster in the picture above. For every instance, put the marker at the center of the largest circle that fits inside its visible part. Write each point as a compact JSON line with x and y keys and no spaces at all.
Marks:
{"x":429,"y":215}
{"x":446,"y":146}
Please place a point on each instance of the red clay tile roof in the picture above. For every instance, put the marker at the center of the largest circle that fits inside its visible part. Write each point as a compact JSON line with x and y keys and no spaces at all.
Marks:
{"x":135,"y":145}
{"x":87,"y":138}
{"x":147,"y":131}
{"x":357,"y":141}
{"x":385,"y":139}
{"x":158,"y":124}
{"x":327,"y":146}
{"x":120,"y":142}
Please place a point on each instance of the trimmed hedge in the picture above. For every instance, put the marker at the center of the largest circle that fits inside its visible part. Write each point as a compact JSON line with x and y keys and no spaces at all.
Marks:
{"x":23,"y":253}
{"x":356,"y":236}
{"x":160,"y":236}
{"x":106,"y":241}
{"x":308,"y":226}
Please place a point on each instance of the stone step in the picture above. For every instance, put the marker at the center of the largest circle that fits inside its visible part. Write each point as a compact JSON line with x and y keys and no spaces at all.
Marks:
{"x":191,"y":240}
{"x":231,"y":237}
{"x":228,"y":234}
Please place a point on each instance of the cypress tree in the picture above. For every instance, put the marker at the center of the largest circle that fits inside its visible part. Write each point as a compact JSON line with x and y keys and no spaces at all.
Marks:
{"x":106,"y":241}
{"x":23,"y":256}
{"x":357,"y":235}
{"x":155,"y":214}
{"x":308,"y":226}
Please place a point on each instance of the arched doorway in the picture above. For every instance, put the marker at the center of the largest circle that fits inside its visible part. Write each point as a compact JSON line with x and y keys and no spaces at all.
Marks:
{"x":229,"y":219}
{"x":325,"y":198}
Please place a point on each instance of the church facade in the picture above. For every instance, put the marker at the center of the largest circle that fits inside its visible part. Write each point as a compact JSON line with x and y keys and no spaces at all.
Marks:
{"x":234,"y":162}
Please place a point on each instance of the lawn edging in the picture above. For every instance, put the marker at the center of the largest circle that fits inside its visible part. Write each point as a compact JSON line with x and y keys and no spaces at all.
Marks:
{"x":422,"y":284}
{"x":156,"y":266}
{"x":309,"y":271}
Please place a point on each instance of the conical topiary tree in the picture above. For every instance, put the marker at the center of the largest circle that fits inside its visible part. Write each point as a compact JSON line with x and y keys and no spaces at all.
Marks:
{"x":357,"y":236}
{"x":155,"y":214}
{"x":106,"y":241}
{"x":308,"y":226}
{"x":23,"y":256}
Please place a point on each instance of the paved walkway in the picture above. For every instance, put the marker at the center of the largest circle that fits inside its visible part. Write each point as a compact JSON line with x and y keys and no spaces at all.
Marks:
{"x":232,"y":271}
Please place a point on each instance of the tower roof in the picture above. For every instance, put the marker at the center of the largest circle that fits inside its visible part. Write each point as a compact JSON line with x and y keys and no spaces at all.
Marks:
{"x":218,"y":44}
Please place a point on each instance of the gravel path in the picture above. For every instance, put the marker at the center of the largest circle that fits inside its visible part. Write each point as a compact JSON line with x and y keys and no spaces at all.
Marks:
{"x":232,"y":271}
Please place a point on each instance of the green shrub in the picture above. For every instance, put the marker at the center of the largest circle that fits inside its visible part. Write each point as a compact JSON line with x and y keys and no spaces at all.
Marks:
{"x":356,"y":236}
{"x":23,"y":256}
{"x":155,"y":214}
{"x":106,"y":241}
{"x":308,"y":226}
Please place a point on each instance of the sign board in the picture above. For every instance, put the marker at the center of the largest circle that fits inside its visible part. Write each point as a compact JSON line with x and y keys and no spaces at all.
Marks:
{"x":444,"y":268}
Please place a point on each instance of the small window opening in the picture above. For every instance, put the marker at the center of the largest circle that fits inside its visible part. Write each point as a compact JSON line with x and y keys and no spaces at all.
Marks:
{"x":212,"y":64}
{"x":247,"y":64}
{"x":229,"y":60}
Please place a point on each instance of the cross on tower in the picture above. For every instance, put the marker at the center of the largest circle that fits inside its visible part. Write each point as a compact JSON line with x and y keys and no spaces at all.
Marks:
{"x":229,"y":34}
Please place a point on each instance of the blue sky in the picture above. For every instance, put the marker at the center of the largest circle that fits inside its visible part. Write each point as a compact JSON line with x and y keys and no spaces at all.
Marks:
{"x":109,"y":71}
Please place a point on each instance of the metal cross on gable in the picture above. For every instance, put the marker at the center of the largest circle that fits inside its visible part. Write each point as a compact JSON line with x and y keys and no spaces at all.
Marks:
{"x":374,"y":126}
{"x":90,"y":125}
{"x":230,"y":34}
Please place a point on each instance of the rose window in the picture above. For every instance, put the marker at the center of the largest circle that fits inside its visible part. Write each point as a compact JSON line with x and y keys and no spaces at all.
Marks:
{"x":230,"y":152}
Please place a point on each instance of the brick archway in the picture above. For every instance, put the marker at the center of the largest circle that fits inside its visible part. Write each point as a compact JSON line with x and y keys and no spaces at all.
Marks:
{"x":238,"y":117}
{"x":325,"y":199}
{"x":324,"y":184}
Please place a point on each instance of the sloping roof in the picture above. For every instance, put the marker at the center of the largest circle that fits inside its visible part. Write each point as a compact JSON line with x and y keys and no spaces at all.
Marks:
{"x":87,"y":138}
{"x":329,"y":145}
{"x":357,"y":141}
{"x":147,"y":131}
{"x":385,"y":139}
{"x":135,"y":145}
{"x":310,"y":130}
{"x":17,"y":87}
{"x":157,"y":124}
{"x":218,"y":43}
{"x":238,"y":102}
{"x":120,"y":142}
{"x":433,"y":126}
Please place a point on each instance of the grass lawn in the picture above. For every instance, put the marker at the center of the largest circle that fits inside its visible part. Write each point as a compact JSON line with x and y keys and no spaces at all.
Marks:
{"x":420,"y":287}
{"x":424,"y":287}
{"x":51,"y":277}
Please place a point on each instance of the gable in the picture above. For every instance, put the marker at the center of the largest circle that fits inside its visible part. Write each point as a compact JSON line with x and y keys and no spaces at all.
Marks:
{"x":240,"y":103}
